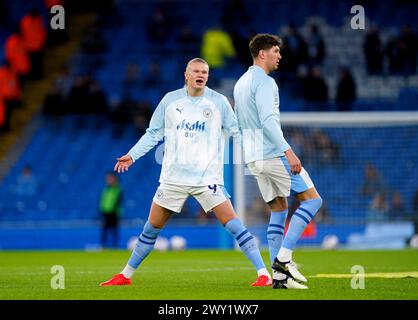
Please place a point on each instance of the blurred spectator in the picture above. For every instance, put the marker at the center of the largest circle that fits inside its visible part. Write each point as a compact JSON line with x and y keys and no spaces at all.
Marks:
{"x":217,"y":46}
{"x":109,"y":14}
{"x":234,"y":15}
{"x":17,"y":55}
{"x":372,"y":183}
{"x":158,"y":27}
{"x":327,"y":150}
{"x":93,"y":42}
{"x":294,"y":51}
{"x":315,"y":47}
{"x":64,"y":82}
{"x":315,"y":91}
{"x":10,"y":93}
{"x":397,"y":209}
{"x":97,"y":104}
{"x":240,"y":42}
{"x":110,"y":207}
{"x":87,"y":97}
{"x":188,"y":42}
{"x":4,"y":14}
{"x":142,"y":117}
{"x":295,"y":81}
{"x":34,"y":38}
{"x":132,"y":80}
{"x":153,"y":78}
{"x":121,"y":114}
{"x":93,"y":47}
{"x":97,"y":99}
{"x":27,"y":184}
{"x":79,"y":95}
{"x":54,"y":105}
{"x":409,"y":44}
{"x":373,"y":52}
{"x":378,"y":208}
{"x":346,"y":91}
{"x":394,"y":53}
{"x":132,"y":75}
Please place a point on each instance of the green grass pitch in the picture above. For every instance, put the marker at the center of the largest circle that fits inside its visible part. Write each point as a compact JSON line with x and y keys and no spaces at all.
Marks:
{"x":205,"y":275}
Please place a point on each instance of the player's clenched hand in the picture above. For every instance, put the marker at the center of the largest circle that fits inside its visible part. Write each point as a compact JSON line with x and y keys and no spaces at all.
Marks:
{"x":294,"y":162}
{"x":123,"y":163}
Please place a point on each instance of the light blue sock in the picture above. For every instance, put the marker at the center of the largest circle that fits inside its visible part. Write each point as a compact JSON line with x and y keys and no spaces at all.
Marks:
{"x":144,"y":245}
{"x":275,"y":232}
{"x":246,"y":242}
{"x":300,"y":219}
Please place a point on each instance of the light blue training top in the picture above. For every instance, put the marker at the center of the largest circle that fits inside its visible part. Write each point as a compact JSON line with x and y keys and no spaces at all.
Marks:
{"x":194,"y":132}
{"x":256,"y":98}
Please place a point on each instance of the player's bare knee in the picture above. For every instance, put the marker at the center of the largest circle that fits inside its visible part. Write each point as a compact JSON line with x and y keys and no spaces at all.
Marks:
{"x":308,"y":195}
{"x":278,"y":204}
{"x":224,"y":216}
{"x":225,"y":220}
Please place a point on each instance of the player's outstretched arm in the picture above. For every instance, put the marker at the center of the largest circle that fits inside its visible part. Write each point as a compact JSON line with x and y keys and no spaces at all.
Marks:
{"x":123,"y":163}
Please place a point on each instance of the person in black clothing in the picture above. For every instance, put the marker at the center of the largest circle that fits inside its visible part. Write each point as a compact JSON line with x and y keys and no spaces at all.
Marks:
{"x":294,"y":49}
{"x":97,"y":99}
{"x":409,"y":45}
{"x":78,"y":95}
{"x":4,"y":14}
{"x":315,"y":47}
{"x":394,"y":54}
{"x":54,"y":107}
{"x":158,"y":27}
{"x":373,"y":51}
{"x":188,"y":41}
{"x":315,"y":91}
{"x":346,"y":91}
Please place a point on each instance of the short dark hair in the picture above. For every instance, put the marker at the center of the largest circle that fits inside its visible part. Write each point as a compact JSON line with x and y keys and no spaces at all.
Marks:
{"x":263,"y":41}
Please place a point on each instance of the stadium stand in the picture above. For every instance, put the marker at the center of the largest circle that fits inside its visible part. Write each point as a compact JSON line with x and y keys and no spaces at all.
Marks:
{"x":69,"y":154}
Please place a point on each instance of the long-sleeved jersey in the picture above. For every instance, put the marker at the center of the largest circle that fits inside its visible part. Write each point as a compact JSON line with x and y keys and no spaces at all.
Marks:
{"x":256,"y":98}
{"x":193,"y":129}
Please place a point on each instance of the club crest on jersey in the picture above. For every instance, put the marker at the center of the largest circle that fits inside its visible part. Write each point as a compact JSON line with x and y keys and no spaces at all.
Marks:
{"x":187,"y":126}
{"x":207,"y":113}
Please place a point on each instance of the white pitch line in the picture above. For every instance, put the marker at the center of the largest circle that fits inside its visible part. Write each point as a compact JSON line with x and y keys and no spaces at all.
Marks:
{"x":388,"y":275}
